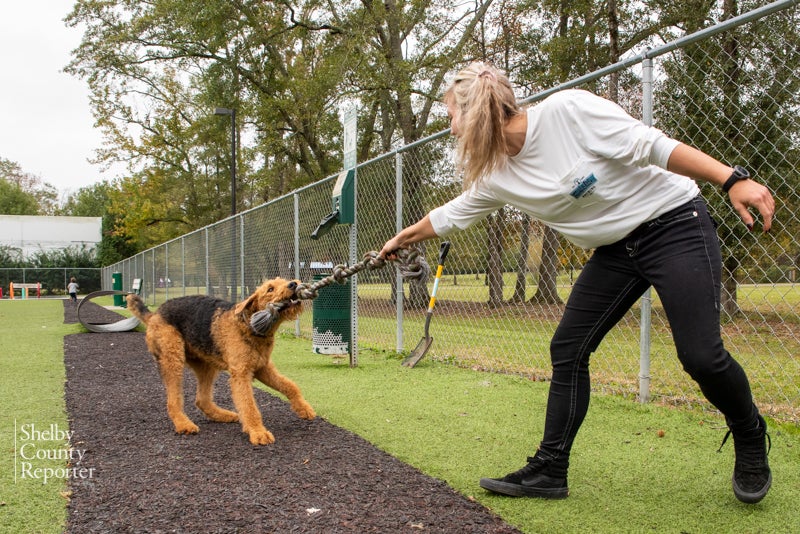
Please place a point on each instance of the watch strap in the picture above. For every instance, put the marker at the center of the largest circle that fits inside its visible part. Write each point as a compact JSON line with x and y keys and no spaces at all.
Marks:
{"x":739,"y":173}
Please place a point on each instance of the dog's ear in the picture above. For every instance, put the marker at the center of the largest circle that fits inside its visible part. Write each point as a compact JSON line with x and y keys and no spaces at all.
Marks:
{"x":250,"y":303}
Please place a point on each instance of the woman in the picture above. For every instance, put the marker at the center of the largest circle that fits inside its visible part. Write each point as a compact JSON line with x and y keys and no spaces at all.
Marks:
{"x":605,"y":181}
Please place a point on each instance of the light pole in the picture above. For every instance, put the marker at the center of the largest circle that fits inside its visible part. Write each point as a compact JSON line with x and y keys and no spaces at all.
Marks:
{"x":232,"y":113}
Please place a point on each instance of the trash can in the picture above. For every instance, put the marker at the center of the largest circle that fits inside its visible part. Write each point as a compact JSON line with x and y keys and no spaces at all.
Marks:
{"x":331,"y":319}
{"x":116,"y":284}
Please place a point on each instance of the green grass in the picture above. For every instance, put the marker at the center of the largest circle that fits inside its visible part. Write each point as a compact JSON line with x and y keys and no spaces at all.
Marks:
{"x":521,"y":346}
{"x":454,"y":424}
{"x":459,"y":425}
{"x":31,"y":393}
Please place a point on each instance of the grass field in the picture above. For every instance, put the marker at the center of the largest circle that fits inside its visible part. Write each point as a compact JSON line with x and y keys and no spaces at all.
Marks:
{"x":452,"y":423}
{"x":32,"y":397}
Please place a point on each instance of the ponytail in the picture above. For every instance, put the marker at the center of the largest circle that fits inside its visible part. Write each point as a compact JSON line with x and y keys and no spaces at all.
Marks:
{"x":485,"y":100}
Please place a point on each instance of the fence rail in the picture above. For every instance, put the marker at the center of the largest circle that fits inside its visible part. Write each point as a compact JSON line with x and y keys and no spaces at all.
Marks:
{"x":506,"y":278}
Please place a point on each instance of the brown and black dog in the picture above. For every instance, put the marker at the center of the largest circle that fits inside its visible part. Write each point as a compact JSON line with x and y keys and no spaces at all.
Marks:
{"x":210,"y":335}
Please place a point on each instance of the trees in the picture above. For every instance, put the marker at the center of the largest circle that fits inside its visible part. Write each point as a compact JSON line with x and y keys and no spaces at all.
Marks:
{"x":79,"y":262}
{"x":555,"y":41}
{"x":22,"y":193}
{"x":157,"y":70}
{"x":15,"y":201}
{"x":734,"y":96}
{"x":96,"y":201}
{"x":407,"y":49}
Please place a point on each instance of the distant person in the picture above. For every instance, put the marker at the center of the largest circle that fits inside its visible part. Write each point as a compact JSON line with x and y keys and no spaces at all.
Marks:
{"x":72,"y":289}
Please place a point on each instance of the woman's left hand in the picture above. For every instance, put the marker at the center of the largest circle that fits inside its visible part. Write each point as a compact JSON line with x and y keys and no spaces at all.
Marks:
{"x":750,"y":194}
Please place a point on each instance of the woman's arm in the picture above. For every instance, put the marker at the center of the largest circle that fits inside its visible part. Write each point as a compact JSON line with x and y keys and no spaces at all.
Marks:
{"x":743,"y":194}
{"x":419,"y":231}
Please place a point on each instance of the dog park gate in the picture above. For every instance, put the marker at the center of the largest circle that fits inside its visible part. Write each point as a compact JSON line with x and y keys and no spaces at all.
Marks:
{"x":495,"y":318}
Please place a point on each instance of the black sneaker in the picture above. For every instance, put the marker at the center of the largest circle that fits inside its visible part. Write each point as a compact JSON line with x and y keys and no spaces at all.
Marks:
{"x":530,"y":481}
{"x":752,"y":477}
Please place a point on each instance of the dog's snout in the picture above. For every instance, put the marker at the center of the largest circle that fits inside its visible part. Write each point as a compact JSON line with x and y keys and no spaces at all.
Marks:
{"x":292,"y":285}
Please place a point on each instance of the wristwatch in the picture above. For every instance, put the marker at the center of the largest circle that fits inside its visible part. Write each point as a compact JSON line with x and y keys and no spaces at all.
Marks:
{"x":739,"y":173}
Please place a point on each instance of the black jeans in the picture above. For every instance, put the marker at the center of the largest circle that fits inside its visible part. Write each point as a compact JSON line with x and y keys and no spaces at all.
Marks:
{"x":678,"y":254}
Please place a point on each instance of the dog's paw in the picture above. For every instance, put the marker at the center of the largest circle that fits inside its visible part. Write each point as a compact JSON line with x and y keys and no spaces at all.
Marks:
{"x":261,"y":437}
{"x":304,"y":410}
{"x":187,"y":428}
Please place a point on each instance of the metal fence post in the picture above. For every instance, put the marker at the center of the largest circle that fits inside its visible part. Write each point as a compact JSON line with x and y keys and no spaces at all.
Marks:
{"x":183,"y":264}
{"x":166,"y":271}
{"x":242,"y":291}
{"x":139,"y":269}
{"x":354,"y":279}
{"x":208,"y":276}
{"x":296,"y":198}
{"x":647,"y":302}
{"x":350,"y":134}
{"x":398,"y":215}
{"x":154,"y":276}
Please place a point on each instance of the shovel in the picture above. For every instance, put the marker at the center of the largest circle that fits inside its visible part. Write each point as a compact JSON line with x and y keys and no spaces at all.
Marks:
{"x":425,"y":343}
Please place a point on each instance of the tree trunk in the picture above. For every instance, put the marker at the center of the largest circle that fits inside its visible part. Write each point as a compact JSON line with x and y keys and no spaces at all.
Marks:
{"x":729,"y":303}
{"x":547,"y":292}
{"x":613,"y":49}
{"x":494,"y":260}
{"x":522,"y":260}
{"x":418,"y":293}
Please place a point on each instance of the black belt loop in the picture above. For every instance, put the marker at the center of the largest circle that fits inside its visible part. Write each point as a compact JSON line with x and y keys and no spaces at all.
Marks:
{"x":642,"y":228}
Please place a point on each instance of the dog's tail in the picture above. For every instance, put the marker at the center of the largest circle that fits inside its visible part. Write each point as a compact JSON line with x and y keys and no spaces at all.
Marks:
{"x":137,"y":307}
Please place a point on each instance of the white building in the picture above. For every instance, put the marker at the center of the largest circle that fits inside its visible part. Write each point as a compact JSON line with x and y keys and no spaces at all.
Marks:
{"x":31,"y":233}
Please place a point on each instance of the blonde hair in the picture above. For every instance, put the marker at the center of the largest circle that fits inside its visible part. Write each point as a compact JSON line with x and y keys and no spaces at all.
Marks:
{"x":485,"y":101}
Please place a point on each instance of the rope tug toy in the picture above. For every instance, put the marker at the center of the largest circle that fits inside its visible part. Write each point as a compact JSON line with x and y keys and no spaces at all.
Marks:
{"x":411,"y":263}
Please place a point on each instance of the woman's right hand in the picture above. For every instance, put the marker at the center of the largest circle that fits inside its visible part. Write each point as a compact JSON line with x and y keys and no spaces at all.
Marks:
{"x":419,"y":231}
{"x":389,"y":250}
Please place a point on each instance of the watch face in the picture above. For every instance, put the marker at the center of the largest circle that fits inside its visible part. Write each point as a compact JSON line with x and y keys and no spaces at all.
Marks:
{"x":741,"y":172}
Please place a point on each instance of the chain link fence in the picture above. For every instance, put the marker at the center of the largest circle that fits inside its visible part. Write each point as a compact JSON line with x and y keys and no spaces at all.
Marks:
{"x":731,"y":90}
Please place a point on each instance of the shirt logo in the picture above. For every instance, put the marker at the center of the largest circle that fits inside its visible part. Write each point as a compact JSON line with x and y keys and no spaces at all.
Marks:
{"x":584,"y":186}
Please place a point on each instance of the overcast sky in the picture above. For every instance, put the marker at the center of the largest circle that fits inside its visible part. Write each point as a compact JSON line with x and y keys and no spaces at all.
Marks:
{"x":45,"y":122}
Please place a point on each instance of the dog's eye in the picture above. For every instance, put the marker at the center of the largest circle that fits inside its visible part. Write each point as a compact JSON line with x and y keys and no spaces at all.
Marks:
{"x":270,"y":289}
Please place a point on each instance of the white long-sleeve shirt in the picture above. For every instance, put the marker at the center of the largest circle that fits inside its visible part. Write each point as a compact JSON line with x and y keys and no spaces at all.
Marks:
{"x":587,"y":169}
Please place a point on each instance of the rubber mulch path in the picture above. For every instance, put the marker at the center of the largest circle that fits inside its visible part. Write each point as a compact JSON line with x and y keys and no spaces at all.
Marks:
{"x":146,"y":478}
